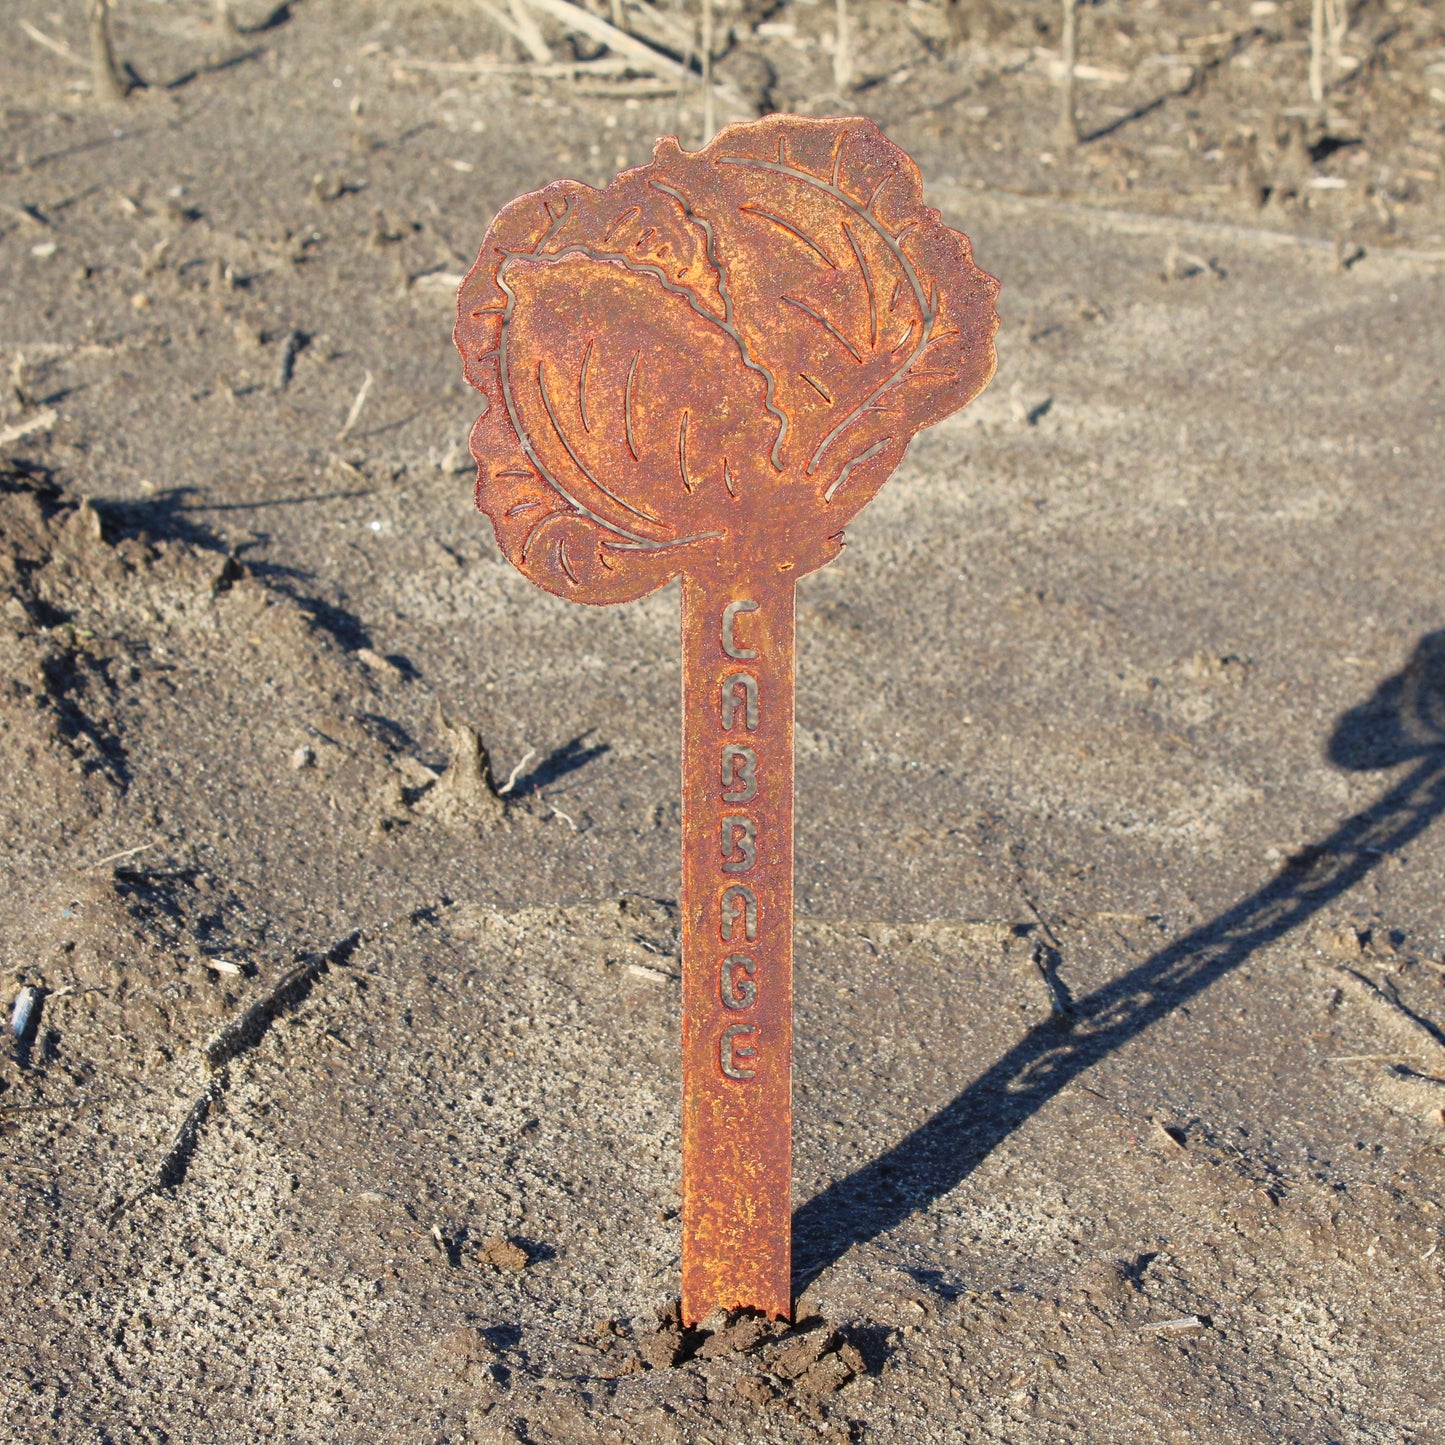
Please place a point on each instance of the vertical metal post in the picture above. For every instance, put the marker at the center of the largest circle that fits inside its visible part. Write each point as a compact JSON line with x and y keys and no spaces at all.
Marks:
{"x":737,"y":943}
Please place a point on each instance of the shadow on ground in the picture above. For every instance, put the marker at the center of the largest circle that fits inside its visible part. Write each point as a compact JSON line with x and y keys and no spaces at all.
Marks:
{"x":1403,"y":722}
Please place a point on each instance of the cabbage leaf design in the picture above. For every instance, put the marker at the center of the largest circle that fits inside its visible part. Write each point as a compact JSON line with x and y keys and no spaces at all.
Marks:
{"x":715,"y":362}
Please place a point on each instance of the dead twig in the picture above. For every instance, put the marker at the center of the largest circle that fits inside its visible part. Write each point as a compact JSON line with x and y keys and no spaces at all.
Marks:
{"x":1317,"y":51}
{"x":59,"y":47}
{"x":1403,"y":1021}
{"x":584,"y":22}
{"x":42,"y":421}
{"x":529,"y":30}
{"x":519,"y":22}
{"x":116,"y":857}
{"x":516,"y":773}
{"x":843,"y":52}
{"x":1068,"y":128}
{"x":105,"y":76}
{"x":709,"y":101}
{"x":355,"y":412}
{"x":603,"y":65}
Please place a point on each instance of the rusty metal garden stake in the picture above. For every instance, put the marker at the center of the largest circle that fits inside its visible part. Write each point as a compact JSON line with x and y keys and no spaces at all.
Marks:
{"x":707,"y":369}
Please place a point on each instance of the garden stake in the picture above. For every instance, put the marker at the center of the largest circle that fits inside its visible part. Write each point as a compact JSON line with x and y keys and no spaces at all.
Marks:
{"x":706,"y":370}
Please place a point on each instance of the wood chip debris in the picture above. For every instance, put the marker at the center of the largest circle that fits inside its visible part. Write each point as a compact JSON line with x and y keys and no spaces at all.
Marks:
{"x":652,"y":975}
{"x":43,"y":420}
{"x":1184,"y":1325}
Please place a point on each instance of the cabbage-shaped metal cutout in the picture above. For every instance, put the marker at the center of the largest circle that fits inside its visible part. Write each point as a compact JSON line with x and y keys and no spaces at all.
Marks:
{"x":707,"y":369}
{"x":715,"y":362}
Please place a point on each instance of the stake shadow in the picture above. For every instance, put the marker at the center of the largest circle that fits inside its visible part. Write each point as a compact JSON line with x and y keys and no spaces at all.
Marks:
{"x":1403,"y":722}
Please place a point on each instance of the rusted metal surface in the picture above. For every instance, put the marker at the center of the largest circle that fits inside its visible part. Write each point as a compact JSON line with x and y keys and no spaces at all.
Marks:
{"x":706,"y":370}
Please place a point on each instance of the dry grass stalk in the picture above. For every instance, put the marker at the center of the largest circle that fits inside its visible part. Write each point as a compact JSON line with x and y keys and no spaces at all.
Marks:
{"x":529,"y":32}
{"x":1068,"y":115}
{"x":709,"y":101}
{"x":1329,"y":25}
{"x":355,"y":412}
{"x":105,"y":74}
{"x":56,"y":47}
{"x":843,"y":52}
{"x":584,"y":22}
{"x":1317,"y":51}
{"x":42,"y":421}
{"x":604,"y":65}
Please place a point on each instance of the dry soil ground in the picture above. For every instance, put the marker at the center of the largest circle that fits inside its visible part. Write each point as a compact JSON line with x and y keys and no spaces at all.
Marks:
{"x":349,"y":1112}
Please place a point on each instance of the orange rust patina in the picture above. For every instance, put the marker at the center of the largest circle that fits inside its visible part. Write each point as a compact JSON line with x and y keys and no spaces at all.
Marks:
{"x":706,"y":370}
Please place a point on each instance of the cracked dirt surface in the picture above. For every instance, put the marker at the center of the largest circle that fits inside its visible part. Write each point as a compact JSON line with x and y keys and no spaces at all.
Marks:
{"x":347,"y":1110}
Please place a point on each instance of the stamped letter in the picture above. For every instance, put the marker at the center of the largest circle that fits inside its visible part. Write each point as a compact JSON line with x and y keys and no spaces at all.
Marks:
{"x":738,"y":992}
{"x":740,"y":834}
{"x":739,"y":773}
{"x":739,"y":898}
{"x":731,"y":686}
{"x":729,"y":1051}
{"x":729,"y":645}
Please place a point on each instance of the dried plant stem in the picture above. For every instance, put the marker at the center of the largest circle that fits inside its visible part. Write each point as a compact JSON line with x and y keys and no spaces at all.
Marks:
{"x":1337,"y":21}
{"x":105,"y":76}
{"x":620,"y":42}
{"x":57,"y":47}
{"x":1329,"y":25}
{"x":1317,"y":51}
{"x":709,"y":101}
{"x":526,"y":29}
{"x":843,"y":52}
{"x":516,"y":773}
{"x":355,"y":412}
{"x":225,"y":20}
{"x":1068,"y":115}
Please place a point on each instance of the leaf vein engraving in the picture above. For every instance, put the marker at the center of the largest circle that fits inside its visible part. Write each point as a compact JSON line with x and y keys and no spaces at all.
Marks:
{"x":792,"y":230}
{"x":627,"y":405}
{"x":537,"y":527}
{"x":864,"y":214}
{"x":632,"y":540}
{"x":857,"y":461}
{"x":629,"y":214}
{"x":682,"y":453}
{"x":572,"y":451}
{"x":558,"y":222}
{"x":728,"y":323}
{"x":582,"y":385}
{"x":817,"y":386}
{"x":827,"y":325}
{"x":868,"y":285}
